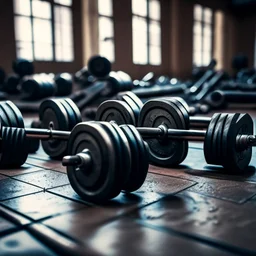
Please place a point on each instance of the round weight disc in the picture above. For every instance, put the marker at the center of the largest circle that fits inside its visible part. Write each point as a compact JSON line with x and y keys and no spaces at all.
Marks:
{"x":97,"y":183}
{"x":139,"y":160}
{"x":52,"y":111}
{"x":17,"y":114}
{"x":134,"y":107}
{"x":237,"y":161}
{"x":13,"y":143}
{"x":124,"y":157}
{"x":181,"y":108}
{"x":114,"y":110}
{"x":217,"y":139}
{"x":99,"y":66}
{"x":75,"y":110}
{"x":164,"y":152}
{"x":70,"y":113}
{"x":11,"y":120}
{"x":208,"y":140}
{"x":229,"y":120}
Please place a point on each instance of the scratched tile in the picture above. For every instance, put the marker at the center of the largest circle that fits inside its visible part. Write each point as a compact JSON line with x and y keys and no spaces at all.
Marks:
{"x":220,"y":222}
{"x":11,"y":188}
{"x":44,"y":179}
{"x":126,"y":237}
{"x":6,"y":226}
{"x":22,"y":243}
{"x":42,"y":205}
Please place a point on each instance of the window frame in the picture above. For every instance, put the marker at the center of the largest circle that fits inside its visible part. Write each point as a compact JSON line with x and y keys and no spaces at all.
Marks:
{"x":111,"y":17}
{"x":148,"y":21}
{"x":31,"y":17}
{"x":203,"y":23}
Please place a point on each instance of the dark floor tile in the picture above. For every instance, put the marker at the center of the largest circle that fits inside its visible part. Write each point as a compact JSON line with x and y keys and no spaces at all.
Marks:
{"x":41,"y":205}
{"x":2,"y":177}
{"x":44,"y":179}
{"x":6,"y":226}
{"x":210,"y":182}
{"x":11,"y":188}
{"x":154,"y":188}
{"x":217,"y":221}
{"x":126,"y":237}
{"x":22,"y":243}
{"x":22,"y":170}
{"x":43,"y":163}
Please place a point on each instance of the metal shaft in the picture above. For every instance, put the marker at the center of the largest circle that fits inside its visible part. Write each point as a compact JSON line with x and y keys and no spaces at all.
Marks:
{"x":81,"y":160}
{"x":201,"y":121}
{"x":161,"y":132}
{"x":46,"y":134}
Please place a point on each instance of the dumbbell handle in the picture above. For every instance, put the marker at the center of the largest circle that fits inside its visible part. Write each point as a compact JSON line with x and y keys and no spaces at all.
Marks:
{"x":196,"y":121}
{"x":163,"y":132}
{"x":46,"y":134}
{"x":242,"y":141}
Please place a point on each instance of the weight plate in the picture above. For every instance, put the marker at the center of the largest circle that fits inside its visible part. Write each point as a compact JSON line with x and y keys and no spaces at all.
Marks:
{"x":237,"y":161}
{"x":133,"y":106}
{"x":52,"y":111}
{"x":9,"y":114}
{"x":6,"y":147}
{"x":126,"y":153}
{"x":208,"y":140}
{"x":139,"y":158}
{"x":182,"y":109}
{"x":70,"y":113}
{"x":4,"y":119}
{"x":126,"y":81}
{"x":13,"y":143}
{"x":99,"y":66}
{"x":114,"y":110}
{"x":17,"y":114}
{"x":184,"y":115}
{"x":75,"y":109}
{"x":164,"y":152}
{"x":229,"y":120}
{"x":123,"y":151}
{"x":97,"y":183}
{"x":217,"y":139}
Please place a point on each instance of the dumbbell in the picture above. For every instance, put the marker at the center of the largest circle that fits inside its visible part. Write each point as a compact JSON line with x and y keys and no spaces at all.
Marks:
{"x":219,"y":99}
{"x":40,"y":86}
{"x":11,"y":116}
{"x":23,"y":67}
{"x":11,"y":84}
{"x":99,"y":161}
{"x":83,"y":77}
{"x":209,"y":86}
{"x":170,"y":112}
{"x":105,"y":159}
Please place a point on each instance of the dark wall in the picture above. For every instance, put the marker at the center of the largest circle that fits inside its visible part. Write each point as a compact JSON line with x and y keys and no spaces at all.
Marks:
{"x":177,"y":35}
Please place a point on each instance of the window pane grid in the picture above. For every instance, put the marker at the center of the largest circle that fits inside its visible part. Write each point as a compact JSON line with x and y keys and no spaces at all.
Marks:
{"x":36,"y":31}
{"x":106,"y":29}
{"x":202,"y":39}
{"x":146,"y":32}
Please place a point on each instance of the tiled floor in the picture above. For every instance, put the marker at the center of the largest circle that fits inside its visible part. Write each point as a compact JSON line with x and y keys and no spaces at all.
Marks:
{"x":191,"y":210}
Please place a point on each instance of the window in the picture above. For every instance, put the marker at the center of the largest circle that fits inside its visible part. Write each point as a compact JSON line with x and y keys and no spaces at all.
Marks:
{"x":43,"y":30}
{"x":146,"y":32}
{"x":106,"y":29}
{"x":203,"y":21}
